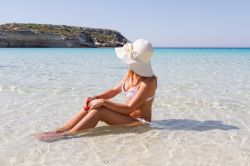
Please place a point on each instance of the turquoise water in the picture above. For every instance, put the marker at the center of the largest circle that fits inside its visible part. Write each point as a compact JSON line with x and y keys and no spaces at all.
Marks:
{"x":201,"y":113}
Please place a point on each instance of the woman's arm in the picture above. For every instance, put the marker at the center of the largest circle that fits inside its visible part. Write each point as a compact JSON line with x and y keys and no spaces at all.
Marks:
{"x":146,"y":89}
{"x":105,"y":95}
{"x":110,"y":93}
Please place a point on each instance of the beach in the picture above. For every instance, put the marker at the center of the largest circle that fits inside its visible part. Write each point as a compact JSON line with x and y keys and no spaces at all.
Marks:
{"x":201,"y":111}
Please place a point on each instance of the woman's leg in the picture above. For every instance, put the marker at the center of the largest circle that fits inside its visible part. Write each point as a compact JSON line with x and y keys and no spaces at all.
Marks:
{"x":106,"y":115}
{"x":69,"y":125}
{"x":91,"y":120}
{"x":74,"y":121}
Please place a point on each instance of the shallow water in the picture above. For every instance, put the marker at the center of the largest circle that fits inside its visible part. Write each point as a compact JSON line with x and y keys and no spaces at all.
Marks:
{"x":201,"y":113}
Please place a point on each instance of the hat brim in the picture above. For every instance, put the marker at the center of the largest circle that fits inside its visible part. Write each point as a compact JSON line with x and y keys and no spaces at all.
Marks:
{"x":124,"y":55}
{"x":143,"y":69}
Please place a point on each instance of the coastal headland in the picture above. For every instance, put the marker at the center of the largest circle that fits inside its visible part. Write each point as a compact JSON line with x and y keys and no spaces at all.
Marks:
{"x":47,"y":35}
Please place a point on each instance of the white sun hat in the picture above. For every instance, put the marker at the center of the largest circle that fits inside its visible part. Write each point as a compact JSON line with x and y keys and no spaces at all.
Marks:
{"x":138,"y":56}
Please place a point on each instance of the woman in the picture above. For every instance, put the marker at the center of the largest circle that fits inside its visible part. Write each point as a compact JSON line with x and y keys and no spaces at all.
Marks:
{"x":139,"y":86}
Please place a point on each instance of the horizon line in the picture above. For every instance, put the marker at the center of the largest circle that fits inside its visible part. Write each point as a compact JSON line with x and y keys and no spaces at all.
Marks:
{"x":199,"y":47}
{"x":160,"y":47}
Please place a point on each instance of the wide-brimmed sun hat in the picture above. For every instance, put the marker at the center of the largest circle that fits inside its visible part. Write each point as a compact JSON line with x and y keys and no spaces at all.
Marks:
{"x":138,"y":56}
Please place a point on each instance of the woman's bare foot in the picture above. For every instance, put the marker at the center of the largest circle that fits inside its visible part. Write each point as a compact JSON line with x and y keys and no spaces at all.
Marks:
{"x":57,"y":131}
{"x":52,"y":137}
{"x":43,"y":133}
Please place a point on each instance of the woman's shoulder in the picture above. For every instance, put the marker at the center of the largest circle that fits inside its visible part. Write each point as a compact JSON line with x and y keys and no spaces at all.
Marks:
{"x":150,"y":81}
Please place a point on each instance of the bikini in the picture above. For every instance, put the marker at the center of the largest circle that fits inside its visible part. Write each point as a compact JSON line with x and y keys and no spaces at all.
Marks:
{"x":130,"y":93}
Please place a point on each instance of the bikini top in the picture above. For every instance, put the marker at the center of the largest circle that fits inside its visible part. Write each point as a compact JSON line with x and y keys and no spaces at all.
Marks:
{"x":131,"y":92}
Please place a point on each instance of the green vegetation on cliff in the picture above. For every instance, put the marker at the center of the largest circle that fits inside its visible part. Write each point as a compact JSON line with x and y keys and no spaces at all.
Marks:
{"x":66,"y":36}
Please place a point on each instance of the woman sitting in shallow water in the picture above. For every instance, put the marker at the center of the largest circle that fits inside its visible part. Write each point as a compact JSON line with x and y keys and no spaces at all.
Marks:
{"x":139,"y":85}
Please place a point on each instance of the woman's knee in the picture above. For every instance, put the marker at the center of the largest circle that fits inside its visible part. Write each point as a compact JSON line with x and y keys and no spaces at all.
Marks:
{"x":98,"y":110}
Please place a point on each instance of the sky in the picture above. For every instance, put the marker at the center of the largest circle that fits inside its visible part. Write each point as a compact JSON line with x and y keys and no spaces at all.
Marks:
{"x":166,"y":23}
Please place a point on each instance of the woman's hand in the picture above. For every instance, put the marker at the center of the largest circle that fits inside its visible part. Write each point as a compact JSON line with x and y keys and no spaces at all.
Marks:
{"x":87,"y":101}
{"x":95,"y":103}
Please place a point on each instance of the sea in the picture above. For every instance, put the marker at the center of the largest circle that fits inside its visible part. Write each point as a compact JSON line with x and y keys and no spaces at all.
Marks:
{"x":200,"y":114}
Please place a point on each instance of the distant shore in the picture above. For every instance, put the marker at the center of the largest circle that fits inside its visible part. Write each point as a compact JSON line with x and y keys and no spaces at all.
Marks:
{"x":16,"y":35}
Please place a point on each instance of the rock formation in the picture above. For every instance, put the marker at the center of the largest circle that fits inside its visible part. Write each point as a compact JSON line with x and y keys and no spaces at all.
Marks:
{"x":45,"y":35}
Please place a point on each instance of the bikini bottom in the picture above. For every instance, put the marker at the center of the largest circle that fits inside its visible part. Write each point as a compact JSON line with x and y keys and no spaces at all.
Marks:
{"x":143,"y":120}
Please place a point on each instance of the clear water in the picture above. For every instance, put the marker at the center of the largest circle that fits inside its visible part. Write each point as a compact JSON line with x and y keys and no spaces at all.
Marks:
{"x":201,"y":113}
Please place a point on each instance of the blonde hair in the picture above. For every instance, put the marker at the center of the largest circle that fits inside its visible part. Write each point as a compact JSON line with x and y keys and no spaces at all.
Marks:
{"x":133,"y":79}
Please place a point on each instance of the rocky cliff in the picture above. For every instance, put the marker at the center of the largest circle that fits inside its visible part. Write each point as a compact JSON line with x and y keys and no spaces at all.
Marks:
{"x":45,"y":35}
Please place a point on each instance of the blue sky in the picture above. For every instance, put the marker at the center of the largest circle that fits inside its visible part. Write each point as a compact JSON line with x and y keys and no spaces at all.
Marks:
{"x":170,"y":23}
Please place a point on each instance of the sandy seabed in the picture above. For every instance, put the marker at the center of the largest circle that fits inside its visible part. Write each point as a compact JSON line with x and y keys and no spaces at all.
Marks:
{"x":201,"y":112}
